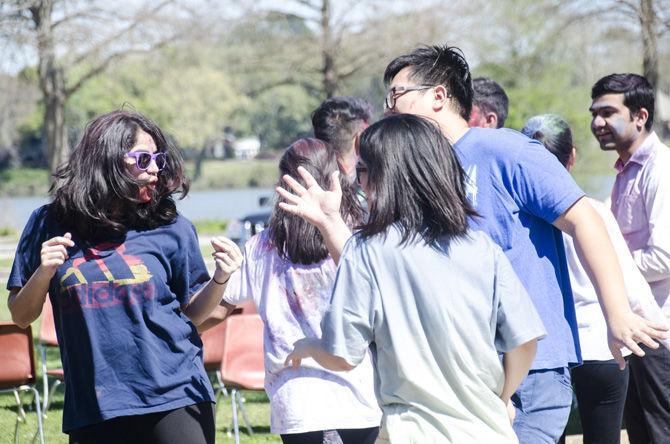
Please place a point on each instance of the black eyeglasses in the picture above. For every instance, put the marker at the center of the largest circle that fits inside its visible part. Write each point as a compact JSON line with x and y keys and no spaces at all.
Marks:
{"x":397,"y":91}
{"x":360,"y":170}
{"x":143,"y":159}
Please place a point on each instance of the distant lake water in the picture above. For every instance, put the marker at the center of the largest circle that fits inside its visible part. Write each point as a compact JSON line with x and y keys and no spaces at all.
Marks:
{"x":198,"y":205}
{"x":222,"y":204}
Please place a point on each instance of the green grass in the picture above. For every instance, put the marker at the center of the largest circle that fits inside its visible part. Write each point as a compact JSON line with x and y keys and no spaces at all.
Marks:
{"x":210,"y":226}
{"x":216,"y":174}
{"x":24,"y":182}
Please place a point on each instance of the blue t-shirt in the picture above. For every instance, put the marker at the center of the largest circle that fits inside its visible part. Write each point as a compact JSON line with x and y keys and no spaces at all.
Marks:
{"x":126,"y":347}
{"x":520,"y":189}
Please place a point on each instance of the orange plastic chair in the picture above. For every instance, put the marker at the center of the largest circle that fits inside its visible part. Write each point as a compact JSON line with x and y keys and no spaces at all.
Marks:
{"x":47,"y":338}
{"x":242,"y":362}
{"x":212,"y":343}
{"x":17,"y":372}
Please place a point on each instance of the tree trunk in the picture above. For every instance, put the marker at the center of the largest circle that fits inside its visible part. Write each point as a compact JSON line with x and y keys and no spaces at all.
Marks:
{"x":52,"y":84}
{"x":330,"y":81}
{"x":648,"y":27}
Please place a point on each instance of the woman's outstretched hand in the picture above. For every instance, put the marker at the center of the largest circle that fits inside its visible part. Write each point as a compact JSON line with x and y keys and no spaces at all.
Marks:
{"x":317,"y":206}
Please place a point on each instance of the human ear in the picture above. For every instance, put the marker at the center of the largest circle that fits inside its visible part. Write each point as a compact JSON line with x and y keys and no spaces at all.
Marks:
{"x":440,"y":96}
{"x":641,"y":117}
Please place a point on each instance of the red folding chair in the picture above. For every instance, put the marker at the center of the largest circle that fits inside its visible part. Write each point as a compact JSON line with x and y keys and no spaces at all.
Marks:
{"x":212,"y":343}
{"x":242,"y":363}
{"x":17,"y":372}
{"x":47,"y":338}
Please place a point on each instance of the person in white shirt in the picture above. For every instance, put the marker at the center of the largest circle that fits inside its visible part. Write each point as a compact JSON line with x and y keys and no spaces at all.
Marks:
{"x":289,"y":275}
{"x":599,"y":385}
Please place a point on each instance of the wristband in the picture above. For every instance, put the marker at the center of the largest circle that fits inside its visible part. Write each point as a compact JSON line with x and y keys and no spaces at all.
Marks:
{"x":221,"y":283}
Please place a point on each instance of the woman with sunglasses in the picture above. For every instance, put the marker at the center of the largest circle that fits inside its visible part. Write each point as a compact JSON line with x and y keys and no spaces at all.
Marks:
{"x":127,"y":283}
{"x":435,"y":300}
{"x":289,"y":275}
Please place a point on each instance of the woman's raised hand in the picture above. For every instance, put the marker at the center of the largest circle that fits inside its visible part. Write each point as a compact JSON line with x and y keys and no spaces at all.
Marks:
{"x":314,"y":204}
{"x":54,"y":253}
{"x":227,"y":257}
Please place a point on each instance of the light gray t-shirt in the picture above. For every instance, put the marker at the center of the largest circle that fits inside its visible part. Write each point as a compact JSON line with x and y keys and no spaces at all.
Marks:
{"x":436,"y":319}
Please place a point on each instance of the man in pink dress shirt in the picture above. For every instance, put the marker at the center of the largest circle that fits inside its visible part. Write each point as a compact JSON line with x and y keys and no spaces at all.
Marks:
{"x":623,"y":115}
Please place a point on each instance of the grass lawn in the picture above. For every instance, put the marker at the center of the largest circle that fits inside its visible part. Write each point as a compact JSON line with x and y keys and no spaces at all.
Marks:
{"x":257,"y":405}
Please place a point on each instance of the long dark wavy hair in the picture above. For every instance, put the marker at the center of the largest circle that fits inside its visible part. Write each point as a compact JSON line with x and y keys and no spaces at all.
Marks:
{"x":295,"y":239}
{"x":94,"y":194}
{"x":414,"y":180}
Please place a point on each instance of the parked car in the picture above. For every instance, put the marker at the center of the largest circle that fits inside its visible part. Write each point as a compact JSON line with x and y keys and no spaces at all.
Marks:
{"x":242,"y":229}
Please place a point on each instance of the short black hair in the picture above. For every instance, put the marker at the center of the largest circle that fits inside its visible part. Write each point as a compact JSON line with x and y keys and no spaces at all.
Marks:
{"x":636,"y":89}
{"x":490,"y":97}
{"x":296,"y":239}
{"x":94,"y":194}
{"x":414,"y":180}
{"x":338,"y":119}
{"x":438,"y":65}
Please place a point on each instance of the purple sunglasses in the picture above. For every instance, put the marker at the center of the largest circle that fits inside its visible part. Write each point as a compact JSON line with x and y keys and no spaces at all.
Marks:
{"x":143,"y":159}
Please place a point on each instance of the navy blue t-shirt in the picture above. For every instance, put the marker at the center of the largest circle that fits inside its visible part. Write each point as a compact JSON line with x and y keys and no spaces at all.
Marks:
{"x":126,"y":346}
{"x":520,"y":189}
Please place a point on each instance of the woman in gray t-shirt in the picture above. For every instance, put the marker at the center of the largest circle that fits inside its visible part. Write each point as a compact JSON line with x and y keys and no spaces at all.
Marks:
{"x":435,"y":301}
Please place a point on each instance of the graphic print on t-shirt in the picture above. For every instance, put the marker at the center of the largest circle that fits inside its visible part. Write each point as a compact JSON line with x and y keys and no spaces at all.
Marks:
{"x":105,"y":276}
{"x":471,"y":184}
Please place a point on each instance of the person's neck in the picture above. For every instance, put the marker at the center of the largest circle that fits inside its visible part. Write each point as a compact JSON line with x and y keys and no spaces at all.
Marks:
{"x":625,"y":153}
{"x":453,"y":126}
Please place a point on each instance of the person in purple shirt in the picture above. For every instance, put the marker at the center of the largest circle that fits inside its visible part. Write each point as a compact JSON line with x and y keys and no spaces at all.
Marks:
{"x":623,"y":117}
{"x":525,"y":197}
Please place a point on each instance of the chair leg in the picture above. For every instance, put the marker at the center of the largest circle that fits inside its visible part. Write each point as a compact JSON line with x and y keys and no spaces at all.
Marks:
{"x":219,"y":379}
{"x":40,"y":428}
{"x":52,"y":390}
{"x":245,"y":418}
{"x":233,"y":396}
{"x":16,"y":430}
{"x":20,"y":412}
{"x":45,"y":379}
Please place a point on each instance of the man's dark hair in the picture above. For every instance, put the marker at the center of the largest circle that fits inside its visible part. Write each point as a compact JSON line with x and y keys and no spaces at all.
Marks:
{"x":414,"y":179}
{"x":490,"y":97}
{"x":636,"y":89}
{"x":296,"y":239}
{"x":438,"y":65}
{"x":338,"y":119}
{"x":94,"y":194}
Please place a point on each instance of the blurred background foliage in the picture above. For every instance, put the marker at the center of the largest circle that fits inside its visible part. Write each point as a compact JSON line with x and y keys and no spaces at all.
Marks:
{"x":198,"y":67}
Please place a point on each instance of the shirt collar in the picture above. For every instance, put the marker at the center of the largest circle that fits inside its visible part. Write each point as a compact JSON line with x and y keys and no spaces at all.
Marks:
{"x":641,"y":155}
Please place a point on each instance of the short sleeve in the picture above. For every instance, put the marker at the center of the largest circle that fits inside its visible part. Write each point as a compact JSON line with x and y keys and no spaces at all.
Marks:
{"x":240,"y":286}
{"x":27,"y":257}
{"x":517,"y":320}
{"x":542,"y":186}
{"x":190,"y":273}
{"x":348,"y":326}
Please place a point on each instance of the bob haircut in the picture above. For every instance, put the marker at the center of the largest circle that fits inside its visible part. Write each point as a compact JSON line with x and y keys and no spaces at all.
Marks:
{"x":95,"y":195}
{"x":294,"y":238}
{"x":438,"y":65}
{"x":553,"y":132}
{"x":414,"y":180}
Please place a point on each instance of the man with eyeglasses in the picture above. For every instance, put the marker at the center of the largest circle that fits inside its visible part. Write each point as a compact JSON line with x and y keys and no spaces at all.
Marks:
{"x":525,"y":197}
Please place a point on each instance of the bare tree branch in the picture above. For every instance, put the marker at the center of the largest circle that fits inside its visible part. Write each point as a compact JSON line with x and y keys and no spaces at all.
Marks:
{"x":109,"y":59}
{"x":86,"y":55}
